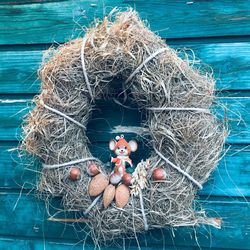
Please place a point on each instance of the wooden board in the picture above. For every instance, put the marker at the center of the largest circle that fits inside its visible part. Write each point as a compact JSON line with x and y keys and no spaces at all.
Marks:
{"x":26,"y":243}
{"x":18,"y":68}
{"x":217,"y":31}
{"x":29,"y":219}
{"x":59,"y":21}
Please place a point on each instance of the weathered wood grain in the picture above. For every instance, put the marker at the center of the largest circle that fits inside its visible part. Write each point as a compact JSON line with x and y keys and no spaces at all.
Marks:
{"x":231,"y":66}
{"x":18,"y":71}
{"x":228,"y":61}
{"x":14,"y":2}
{"x":109,"y":115}
{"x":59,"y":21}
{"x":26,"y":243}
{"x":25,"y":216}
{"x":231,"y":178}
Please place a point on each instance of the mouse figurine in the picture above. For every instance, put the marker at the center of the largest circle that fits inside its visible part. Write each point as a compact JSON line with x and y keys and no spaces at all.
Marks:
{"x":122,"y":149}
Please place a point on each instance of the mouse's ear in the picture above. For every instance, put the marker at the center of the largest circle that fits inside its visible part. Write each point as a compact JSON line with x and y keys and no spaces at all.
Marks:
{"x":133,"y":145}
{"x":112,"y":144}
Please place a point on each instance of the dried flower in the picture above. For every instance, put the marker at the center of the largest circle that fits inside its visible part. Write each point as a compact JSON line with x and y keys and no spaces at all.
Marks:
{"x":139,"y":177}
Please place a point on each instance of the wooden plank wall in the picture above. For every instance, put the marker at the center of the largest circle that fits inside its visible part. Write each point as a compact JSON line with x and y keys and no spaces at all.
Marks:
{"x":219,"y":34}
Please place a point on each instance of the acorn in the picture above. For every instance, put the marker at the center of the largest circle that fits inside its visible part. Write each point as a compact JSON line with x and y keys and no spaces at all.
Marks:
{"x":98,"y":184}
{"x":74,"y":174}
{"x":126,"y":179}
{"x":115,"y":178}
{"x":122,"y":195}
{"x":108,"y":195}
{"x":92,"y":169}
{"x":159,"y":174}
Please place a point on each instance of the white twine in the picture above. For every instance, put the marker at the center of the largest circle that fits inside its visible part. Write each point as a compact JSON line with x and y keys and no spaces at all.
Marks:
{"x":143,"y":63}
{"x":92,"y":204}
{"x":84,"y":69}
{"x":45,"y":166}
{"x":207,"y":111}
{"x":178,"y":169}
{"x":143,"y":212}
{"x":63,"y":115}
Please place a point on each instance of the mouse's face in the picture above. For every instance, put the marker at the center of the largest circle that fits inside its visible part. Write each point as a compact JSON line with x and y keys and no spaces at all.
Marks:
{"x":122,"y":150}
{"x":122,"y":147}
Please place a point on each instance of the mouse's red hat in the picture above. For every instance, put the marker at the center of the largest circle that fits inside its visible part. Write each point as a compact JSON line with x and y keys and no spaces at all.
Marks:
{"x":121,"y":142}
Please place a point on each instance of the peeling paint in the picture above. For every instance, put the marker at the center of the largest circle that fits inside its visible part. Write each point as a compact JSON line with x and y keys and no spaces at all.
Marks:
{"x":12,"y":149}
{"x":13,"y":101}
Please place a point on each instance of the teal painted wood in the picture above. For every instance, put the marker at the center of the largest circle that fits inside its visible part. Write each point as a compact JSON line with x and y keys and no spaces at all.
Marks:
{"x":23,"y":218}
{"x":7,"y":243}
{"x":58,"y":21}
{"x":14,"y":2}
{"x":231,"y":66}
{"x":30,"y":220}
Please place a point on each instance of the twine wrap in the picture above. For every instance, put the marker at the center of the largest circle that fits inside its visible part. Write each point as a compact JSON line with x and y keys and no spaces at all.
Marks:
{"x":70,"y":163}
{"x":63,"y":115}
{"x":84,"y":69}
{"x":206,"y":111}
{"x":159,"y":51}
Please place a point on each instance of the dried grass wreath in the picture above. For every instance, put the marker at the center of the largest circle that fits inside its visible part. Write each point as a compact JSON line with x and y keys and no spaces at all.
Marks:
{"x":185,"y":137}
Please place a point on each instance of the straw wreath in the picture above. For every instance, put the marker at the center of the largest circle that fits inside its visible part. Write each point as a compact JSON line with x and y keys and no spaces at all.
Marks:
{"x":185,"y":137}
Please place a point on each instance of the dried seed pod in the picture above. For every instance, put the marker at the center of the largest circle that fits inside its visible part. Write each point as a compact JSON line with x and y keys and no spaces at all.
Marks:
{"x":74,"y":174}
{"x":122,"y":195}
{"x":108,"y":195}
{"x":98,"y":184}
{"x":159,"y":174}
{"x":92,"y":169}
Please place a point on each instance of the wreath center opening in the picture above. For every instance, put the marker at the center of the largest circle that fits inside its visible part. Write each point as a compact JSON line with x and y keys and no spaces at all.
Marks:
{"x":108,"y":120}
